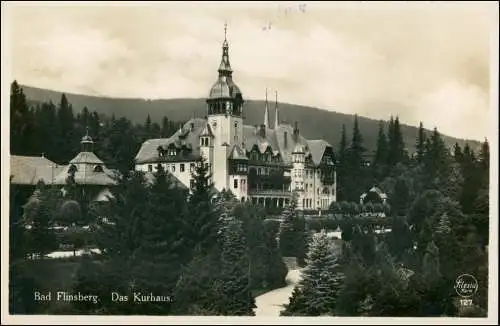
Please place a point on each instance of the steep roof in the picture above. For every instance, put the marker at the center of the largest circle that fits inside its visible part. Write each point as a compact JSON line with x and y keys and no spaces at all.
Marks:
{"x":237,"y":153}
{"x":278,"y":140}
{"x":185,"y":135}
{"x":86,"y":158}
{"x":87,"y":174}
{"x":29,"y":170}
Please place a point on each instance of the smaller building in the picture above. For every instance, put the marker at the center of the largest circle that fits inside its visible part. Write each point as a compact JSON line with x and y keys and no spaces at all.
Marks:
{"x":374,"y":195}
{"x":88,"y":173}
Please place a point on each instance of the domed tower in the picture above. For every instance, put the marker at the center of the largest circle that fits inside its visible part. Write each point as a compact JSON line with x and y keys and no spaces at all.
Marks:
{"x":87,"y":142}
{"x":224,"y":112}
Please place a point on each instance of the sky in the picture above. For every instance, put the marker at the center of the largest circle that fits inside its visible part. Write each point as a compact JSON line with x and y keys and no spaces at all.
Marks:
{"x":423,"y":62}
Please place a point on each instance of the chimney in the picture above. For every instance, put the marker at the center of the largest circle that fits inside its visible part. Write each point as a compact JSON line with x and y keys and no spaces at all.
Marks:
{"x":262,"y":131}
{"x":285,"y":140}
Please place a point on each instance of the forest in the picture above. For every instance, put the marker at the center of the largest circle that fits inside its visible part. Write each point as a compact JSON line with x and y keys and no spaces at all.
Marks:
{"x":213,"y":255}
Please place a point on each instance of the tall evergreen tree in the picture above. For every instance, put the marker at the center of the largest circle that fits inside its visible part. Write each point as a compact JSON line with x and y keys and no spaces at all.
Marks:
{"x":292,"y":232}
{"x":420,"y":143}
{"x":233,"y":287}
{"x":457,"y":153}
{"x":356,"y":150}
{"x":380,"y":159}
{"x":22,"y":123}
{"x":203,"y":219}
{"x":355,"y":171}
{"x":342,"y":164}
{"x":68,"y":141}
{"x":396,"y":142}
{"x":316,"y":294}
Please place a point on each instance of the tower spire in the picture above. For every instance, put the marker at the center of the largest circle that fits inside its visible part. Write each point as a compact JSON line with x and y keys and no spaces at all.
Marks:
{"x":225,"y":32}
{"x":266,"y":114}
{"x":225,"y":66}
{"x":276,"y":114}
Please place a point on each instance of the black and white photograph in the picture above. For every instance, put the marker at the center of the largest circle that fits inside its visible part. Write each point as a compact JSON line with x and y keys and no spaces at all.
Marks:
{"x":263,"y":161}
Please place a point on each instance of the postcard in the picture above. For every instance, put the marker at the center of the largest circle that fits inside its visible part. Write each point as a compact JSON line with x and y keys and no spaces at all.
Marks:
{"x":249,"y":162}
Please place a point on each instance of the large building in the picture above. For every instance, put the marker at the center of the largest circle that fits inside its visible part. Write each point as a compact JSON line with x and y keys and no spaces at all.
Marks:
{"x":264,"y":164}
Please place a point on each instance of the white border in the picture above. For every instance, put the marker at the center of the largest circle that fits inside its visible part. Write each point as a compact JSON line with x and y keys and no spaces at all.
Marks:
{"x":127,"y":320}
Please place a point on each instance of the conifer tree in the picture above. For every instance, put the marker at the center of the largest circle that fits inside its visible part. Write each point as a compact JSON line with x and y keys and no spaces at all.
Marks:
{"x":233,"y":287}
{"x":356,"y":150}
{"x":457,"y":153}
{"x":203,"y":219}
{"x":380,"y":159}
{"x":316,"y":294}
{"x":420,"y":143}
{"x":342,"y":164}
{"x":292,"y":232}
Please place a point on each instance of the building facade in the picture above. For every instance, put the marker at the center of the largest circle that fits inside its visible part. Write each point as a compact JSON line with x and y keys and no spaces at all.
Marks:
{"x":265,"y":164}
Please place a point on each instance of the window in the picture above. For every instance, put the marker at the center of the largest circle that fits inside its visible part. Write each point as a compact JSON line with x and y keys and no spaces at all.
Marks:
{"x":303,"y":203}
{"x":191,"y":183}
{"x":191,"y":167}
{"x":243,"y":183}
{"x":173,"y":167}
{"x":172,"y":152}
{"x":242,"y":199}
{"x":182,"y":167}
{"x":235,"y":184}
{"x":150,"y":168}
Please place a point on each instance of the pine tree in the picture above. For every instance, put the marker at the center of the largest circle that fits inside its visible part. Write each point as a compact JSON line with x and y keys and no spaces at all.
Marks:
{"x":342,"y":165}
{"x":292,"y":232}
{"x":380,"y":159}
{"x":356,"y":150}
{"x":391,"y":142}
{"x":381,"y":151}
{"x":457,"y":153}
{"x":420,"y":143}
{"x":316,"y":294}
{"x":203,"y":219}
{"x":233,"y":287}
{"x":22,"y":123}
{"x":396,"y":143}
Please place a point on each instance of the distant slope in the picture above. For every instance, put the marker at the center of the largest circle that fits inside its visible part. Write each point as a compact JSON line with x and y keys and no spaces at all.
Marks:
{"x":314,"y":123}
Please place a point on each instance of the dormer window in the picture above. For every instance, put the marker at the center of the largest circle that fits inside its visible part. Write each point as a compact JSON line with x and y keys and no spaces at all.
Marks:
{"x":98,"y":168}
{"x":204,"y":141}
{"x":172,"y":152}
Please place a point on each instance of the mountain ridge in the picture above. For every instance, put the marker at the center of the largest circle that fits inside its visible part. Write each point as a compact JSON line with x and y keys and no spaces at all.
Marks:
{"x":314,"y":123}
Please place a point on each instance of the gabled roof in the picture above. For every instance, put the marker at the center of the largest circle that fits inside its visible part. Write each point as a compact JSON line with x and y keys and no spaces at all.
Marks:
{"x":150,"y":178}
{"x":29,"y":170}
{"x":207,"y":131}
{"x":237,"y":153}
{"x":317,"y":148}
{"x":376,"y":190}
